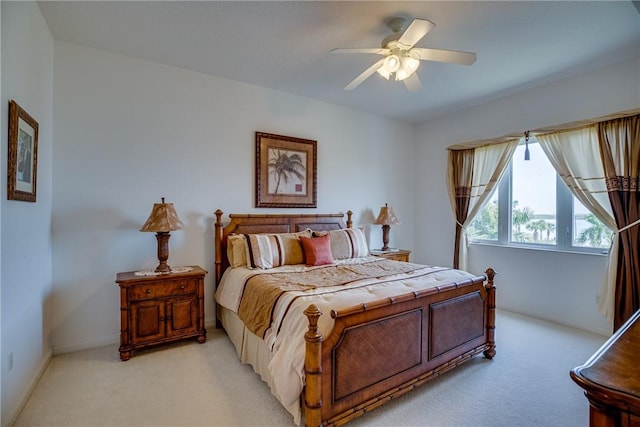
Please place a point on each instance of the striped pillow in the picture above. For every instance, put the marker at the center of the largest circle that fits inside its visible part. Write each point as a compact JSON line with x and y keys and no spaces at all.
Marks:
{"x":346,"y":243}
{"x":273,"y":250}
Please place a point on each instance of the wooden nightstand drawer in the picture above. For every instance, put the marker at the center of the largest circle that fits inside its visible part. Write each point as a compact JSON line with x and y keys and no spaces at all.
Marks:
{"x":164,"y":289}
{"x":399,"y":255}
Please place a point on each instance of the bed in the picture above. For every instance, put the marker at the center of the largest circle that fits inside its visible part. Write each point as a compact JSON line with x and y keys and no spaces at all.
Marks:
{"x":327,"y":357}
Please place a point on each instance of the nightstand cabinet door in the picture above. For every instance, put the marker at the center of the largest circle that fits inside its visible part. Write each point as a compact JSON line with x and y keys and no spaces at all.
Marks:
{"x":182,"y":317}
{"x":147,"y":322}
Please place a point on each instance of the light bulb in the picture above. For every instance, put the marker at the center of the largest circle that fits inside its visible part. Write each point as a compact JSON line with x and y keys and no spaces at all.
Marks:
{"x":402,"y":74}
{"x":411,"y":64}
{"x":408,"y":67}
{"x":392,"y":63}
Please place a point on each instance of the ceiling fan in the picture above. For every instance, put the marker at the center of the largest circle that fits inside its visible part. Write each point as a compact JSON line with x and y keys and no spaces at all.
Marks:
{"x":401,"y":58}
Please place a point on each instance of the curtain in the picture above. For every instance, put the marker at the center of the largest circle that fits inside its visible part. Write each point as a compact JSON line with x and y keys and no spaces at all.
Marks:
{"x":610,"y":172}
{"x":575,"y":155}
{"x":472,"y":178}
{"x":459,"y":182}
{"x":620,"y":150}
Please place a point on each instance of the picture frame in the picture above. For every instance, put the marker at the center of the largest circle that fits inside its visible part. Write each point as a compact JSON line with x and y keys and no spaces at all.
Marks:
{"x":23,"y":155}
{"x":286,"y":171}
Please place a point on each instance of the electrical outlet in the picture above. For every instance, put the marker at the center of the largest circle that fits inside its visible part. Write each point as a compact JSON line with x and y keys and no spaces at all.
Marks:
{"x":10,"y":362}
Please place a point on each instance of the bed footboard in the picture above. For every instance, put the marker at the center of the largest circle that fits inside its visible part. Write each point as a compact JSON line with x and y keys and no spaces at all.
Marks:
{"x":381,"y":350}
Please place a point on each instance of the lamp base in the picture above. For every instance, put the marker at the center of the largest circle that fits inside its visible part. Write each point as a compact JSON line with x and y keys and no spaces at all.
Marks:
{"x":163,"y":268}
{"x":385,"y":237}
{"x":163,"y":251}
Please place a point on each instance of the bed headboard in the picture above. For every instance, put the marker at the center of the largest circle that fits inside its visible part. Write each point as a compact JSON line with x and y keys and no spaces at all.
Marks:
{"x":269,"y":223}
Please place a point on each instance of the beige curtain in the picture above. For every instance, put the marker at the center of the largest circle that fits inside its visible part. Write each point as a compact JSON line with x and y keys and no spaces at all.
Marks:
{"x":620,"y":150}
{"x":472,"y":178}
{"x":575,"y":155}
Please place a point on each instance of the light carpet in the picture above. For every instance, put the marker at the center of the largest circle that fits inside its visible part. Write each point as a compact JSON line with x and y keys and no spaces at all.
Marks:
{"x":190,"y":384}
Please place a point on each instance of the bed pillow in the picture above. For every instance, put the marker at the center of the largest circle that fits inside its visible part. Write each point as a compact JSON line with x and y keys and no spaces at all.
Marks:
{"x":317,"y":250}
{"x":273,"y":250}
{"x":346,"y":243}
{"x":237,"y":250}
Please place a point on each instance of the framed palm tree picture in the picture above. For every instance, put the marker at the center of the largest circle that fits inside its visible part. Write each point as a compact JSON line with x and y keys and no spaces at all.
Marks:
{"x":286,"y":173}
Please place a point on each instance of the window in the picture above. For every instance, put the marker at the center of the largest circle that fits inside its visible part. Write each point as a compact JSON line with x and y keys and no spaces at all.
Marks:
{"x":533,"y":207}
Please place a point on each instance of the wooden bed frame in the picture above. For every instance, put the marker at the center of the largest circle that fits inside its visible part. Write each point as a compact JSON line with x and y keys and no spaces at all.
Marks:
{"x":380,"y":350}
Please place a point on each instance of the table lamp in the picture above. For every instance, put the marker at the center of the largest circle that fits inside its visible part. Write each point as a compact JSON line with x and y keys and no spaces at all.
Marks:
{"x":163,"y":219}
{"x":386,"y":218}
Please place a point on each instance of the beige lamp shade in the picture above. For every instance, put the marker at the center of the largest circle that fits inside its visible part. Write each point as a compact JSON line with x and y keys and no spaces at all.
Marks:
{"x":163,"y":218}
{"x":387,"y":216}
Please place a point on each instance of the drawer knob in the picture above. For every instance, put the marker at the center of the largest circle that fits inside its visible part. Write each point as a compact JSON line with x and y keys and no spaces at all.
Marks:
{"x":181,"y":286}
{"x":148,"y":291}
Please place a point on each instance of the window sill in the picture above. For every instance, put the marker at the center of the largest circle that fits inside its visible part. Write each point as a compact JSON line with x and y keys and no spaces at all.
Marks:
{"x":596,"y":252}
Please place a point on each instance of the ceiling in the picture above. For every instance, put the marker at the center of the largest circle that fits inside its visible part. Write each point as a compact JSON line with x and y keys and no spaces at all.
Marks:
{"x":285,"y":45}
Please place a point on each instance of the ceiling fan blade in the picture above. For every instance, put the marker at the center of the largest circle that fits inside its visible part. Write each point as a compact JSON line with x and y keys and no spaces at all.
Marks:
{"x":417,"y":30}
{"x":413,"y":83}
{"x":376,"y":50}
{"x":362,"y":77}
{"x":443,"y":55}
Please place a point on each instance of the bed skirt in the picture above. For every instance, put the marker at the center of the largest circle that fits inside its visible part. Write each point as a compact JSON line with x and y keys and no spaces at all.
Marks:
{"x":252,"y":351}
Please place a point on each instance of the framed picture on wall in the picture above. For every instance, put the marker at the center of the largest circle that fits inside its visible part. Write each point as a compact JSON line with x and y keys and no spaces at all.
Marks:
{"x":23,"y":155}
{"x":286,"y":173}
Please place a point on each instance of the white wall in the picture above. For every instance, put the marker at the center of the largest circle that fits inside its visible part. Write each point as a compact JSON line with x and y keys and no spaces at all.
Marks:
{"x":555,"y":286}
{"x":129,"y":131}
{"x":1,"y":135}
{"x":27,"y":70}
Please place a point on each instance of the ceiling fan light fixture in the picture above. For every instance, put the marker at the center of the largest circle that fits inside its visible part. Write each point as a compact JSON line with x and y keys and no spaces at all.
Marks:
{"x":411,"y":64}
{"x":408,"y":66}
{"x":392,"y":63}
{"x":384,"y":72}
{"x":402,"y":74}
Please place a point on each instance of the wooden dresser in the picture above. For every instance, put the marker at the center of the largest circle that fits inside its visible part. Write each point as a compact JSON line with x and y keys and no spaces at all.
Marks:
{"x":160,"y":308}
{"x":611,"y":379}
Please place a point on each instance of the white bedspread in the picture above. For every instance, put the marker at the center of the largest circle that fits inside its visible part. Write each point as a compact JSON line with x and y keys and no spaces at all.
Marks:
{"x":287,"y":345}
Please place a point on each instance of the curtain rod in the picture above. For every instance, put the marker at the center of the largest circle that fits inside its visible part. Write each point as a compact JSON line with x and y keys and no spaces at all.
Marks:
{"x":545,"y":130}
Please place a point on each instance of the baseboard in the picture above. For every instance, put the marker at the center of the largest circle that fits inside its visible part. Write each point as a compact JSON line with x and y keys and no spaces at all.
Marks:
{"x":211,"y":326}
{"x":605,"y":334}
{"x":70,"y":348}
{"x":13,"y":416}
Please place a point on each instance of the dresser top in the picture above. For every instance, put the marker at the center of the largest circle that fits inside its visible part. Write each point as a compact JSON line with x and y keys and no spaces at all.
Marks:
{"x":614,"y":370}
{"x":142,"y":275}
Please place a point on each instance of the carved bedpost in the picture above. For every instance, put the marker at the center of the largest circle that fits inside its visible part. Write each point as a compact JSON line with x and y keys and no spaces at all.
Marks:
{"x":313,"y":369}
{"x":490,"y":352}
{"x":218,"y":246}
{"x":218,"y":233}
{"x":349,"y":222}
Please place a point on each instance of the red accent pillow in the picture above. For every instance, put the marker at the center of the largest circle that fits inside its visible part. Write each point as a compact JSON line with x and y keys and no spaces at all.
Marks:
{"x":317,"y":250}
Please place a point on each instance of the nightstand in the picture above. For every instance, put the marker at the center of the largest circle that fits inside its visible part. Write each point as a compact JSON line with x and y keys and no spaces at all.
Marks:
{"x":399,"y":255}
{"x":159,"y":308}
